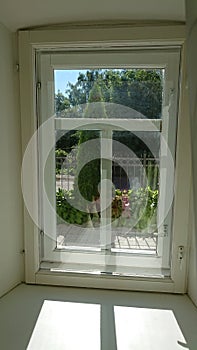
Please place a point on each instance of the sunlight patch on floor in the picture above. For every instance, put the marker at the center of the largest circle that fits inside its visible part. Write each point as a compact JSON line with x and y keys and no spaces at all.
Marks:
{"x":147,"y":329}
{"x":69,"y":325}
{"x":65,"y":325}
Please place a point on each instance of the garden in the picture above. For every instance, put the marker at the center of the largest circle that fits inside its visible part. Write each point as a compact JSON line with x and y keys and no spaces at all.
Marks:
{"x":131,"y":206}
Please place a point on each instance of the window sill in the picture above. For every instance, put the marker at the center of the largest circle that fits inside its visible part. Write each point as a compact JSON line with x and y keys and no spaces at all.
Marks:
{"x":59,"y":276}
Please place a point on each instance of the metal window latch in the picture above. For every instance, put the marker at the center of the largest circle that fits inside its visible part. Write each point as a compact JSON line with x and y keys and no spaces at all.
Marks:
{"x":165,"y":230}
{"x":180,"y":252}
{"x":38,"y":85}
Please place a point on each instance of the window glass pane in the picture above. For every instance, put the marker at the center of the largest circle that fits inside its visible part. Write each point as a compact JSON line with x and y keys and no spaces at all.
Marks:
{"x":108,"y":90}
{"x":135,"y":174}
{"x":135,"y":177}
{"x":77,"y":159}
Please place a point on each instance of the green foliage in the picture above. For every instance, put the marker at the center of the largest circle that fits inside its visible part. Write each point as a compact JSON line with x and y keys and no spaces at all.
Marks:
{"x":138,"y":89}
{"x":138,"y":142}
{"x":79,"y":93}
{"x":61,"y":102}
{"x":88,"y":176}
{"x":66,"y":162}
{"x":142,"y":208}
{"x":117,"y":205}
{"x":60,"y":153}
{"x":66,"y":140}
{"x":66,"y":211}
{"x":95,"y":107}
{"x":152,"y":173}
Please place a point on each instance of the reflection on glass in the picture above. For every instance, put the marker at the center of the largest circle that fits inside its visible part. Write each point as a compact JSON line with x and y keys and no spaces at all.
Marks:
{"x":112,"y":93}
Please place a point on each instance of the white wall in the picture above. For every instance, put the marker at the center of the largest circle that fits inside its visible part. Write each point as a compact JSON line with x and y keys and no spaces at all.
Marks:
{"x":191,"y":21}
{"x":11,"y":223}
{"x":192,"y":277}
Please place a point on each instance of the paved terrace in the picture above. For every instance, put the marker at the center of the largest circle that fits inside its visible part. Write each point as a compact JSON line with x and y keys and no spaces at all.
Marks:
{"x":122,"y":238}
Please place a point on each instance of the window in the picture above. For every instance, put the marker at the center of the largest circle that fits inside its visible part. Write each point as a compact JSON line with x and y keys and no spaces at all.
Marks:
{"x":106,"y":159}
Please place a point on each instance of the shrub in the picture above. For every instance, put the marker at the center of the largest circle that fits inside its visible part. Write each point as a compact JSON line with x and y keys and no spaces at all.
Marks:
{"x":132,"y":206}
{"x":66,"y":211}
{"x":135,"y":206}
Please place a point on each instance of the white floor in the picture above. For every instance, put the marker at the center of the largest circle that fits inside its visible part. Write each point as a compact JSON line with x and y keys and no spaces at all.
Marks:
{"x":50,"y":318}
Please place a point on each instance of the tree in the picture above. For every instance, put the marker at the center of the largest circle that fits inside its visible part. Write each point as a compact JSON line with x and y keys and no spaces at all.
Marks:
{"x":89,"y":176}
{"x":139,"y":89}
{"x":61,"y":102}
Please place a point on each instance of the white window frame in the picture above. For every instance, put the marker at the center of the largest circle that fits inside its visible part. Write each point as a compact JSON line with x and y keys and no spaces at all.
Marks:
{"x":167,"y":59}
{"x":29,"y":42}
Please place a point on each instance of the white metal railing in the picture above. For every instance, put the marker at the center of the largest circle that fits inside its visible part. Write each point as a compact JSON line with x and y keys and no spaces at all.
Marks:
{"x":126,"y":172}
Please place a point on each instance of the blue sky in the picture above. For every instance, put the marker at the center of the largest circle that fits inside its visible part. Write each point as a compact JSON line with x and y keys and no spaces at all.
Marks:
{"x":62,"y":77}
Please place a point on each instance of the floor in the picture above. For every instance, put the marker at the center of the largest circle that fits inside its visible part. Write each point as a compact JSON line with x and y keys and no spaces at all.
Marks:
{"x":49,"y":318}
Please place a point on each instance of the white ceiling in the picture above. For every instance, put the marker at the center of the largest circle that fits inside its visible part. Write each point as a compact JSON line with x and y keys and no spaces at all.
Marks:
{"x":17,"y":14}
